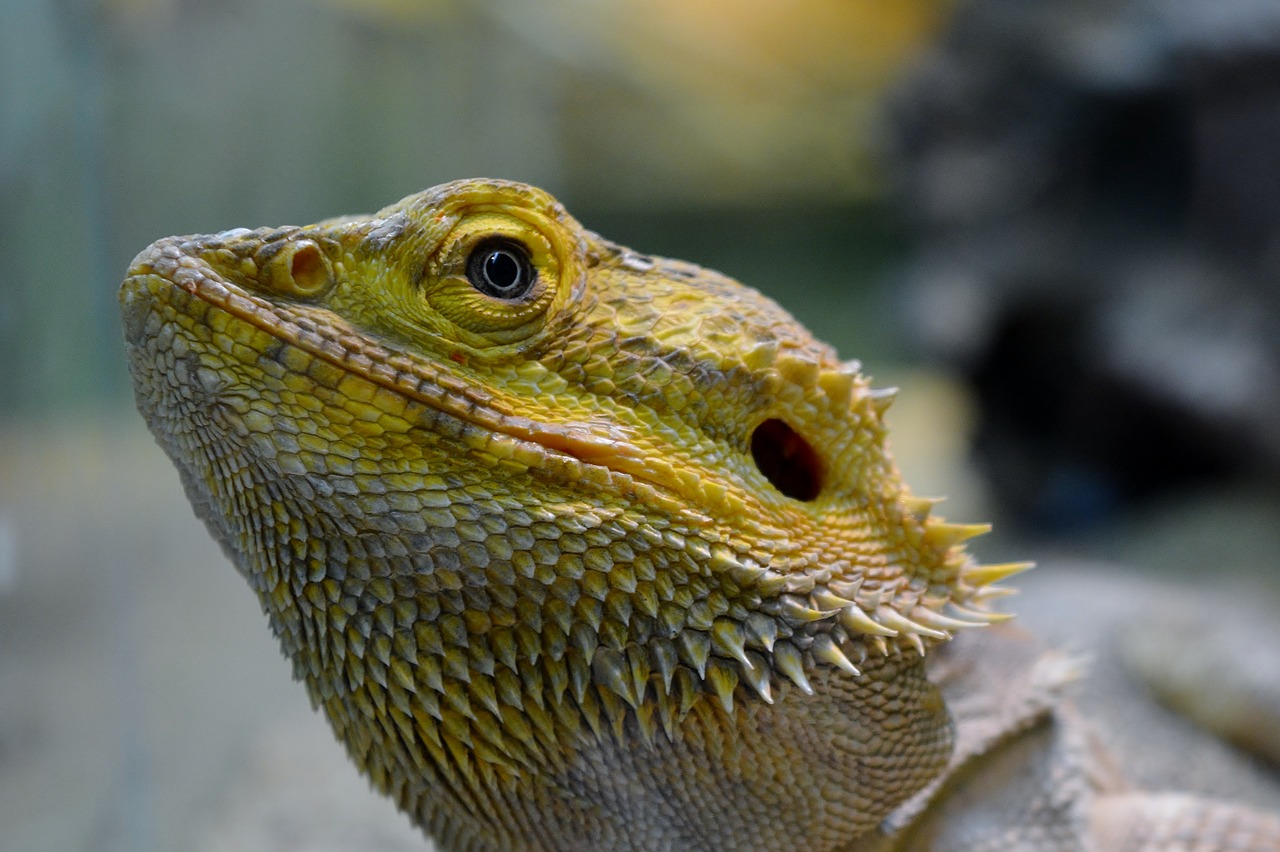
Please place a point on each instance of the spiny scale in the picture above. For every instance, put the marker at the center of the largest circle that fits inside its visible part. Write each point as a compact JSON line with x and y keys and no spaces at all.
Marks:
{"x":826,"y":650}
{"x":920,"y":507}
{"x":943,"y":535}
{"x":787,"y":660}
{"x":882,"y":399}
{"x":715,"y":662}
{"x":857,"y":621}
{"x":982,"y":575}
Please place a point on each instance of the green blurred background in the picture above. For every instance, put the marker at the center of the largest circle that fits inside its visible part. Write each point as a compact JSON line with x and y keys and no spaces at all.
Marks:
{"x":675,"y":123}
{"x":840,"y":155}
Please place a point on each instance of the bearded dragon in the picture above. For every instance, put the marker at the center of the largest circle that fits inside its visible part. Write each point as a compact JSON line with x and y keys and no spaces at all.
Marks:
{"x":580,"y":548}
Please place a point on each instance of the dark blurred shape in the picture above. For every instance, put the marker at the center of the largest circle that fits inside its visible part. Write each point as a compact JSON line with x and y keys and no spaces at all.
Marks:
{"x":1096,"y":190}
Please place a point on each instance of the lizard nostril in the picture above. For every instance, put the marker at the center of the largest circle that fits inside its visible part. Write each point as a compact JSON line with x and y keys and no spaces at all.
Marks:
{"x":295,"y":268}
{"x":786,"y":460}
{"x":308,"y":269}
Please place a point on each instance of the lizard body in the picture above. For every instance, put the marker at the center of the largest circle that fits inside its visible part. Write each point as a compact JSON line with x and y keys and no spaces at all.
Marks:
{"x":581,"y":548}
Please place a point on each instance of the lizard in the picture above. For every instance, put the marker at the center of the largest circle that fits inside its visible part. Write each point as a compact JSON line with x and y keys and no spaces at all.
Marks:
{"x":581,"y":548}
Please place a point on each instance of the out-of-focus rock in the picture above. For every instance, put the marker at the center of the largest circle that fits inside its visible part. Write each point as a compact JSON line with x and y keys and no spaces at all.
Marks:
{"x":1139,"y":637}
{"x":1096,"y":190}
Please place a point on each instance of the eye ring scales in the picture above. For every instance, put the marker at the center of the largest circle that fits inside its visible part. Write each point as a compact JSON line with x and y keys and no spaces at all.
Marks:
{"x":501,"y":268}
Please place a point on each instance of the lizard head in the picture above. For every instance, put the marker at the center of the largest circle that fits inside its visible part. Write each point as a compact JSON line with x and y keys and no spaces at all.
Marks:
{"x":628,"y":466}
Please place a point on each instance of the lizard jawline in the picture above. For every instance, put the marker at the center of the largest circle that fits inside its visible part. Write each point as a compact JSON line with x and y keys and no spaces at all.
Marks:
{"x":582,"y":443}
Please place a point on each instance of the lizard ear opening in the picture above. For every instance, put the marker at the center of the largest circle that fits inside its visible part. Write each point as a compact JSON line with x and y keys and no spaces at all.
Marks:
{"x":787,"y":460}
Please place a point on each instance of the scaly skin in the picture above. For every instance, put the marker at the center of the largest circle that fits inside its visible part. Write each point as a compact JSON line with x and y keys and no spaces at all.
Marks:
{"x":620,"y":562}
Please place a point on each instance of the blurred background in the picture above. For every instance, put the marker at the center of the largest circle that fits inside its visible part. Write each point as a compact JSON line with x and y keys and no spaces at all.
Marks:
{"x":1056,"y":225}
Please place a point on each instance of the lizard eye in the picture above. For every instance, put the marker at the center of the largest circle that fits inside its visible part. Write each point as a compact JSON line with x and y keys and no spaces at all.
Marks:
{"x":498,"y":273}
{"x":501,"y":268}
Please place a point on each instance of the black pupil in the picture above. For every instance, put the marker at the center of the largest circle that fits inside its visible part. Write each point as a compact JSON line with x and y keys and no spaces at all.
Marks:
{"x":501,"y":268}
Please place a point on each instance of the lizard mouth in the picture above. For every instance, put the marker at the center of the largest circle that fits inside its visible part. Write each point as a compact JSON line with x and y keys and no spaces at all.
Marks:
{"x":169,"y":272}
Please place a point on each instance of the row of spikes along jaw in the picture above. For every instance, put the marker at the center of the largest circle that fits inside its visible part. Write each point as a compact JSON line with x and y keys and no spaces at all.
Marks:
{"x":808,"y":621}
